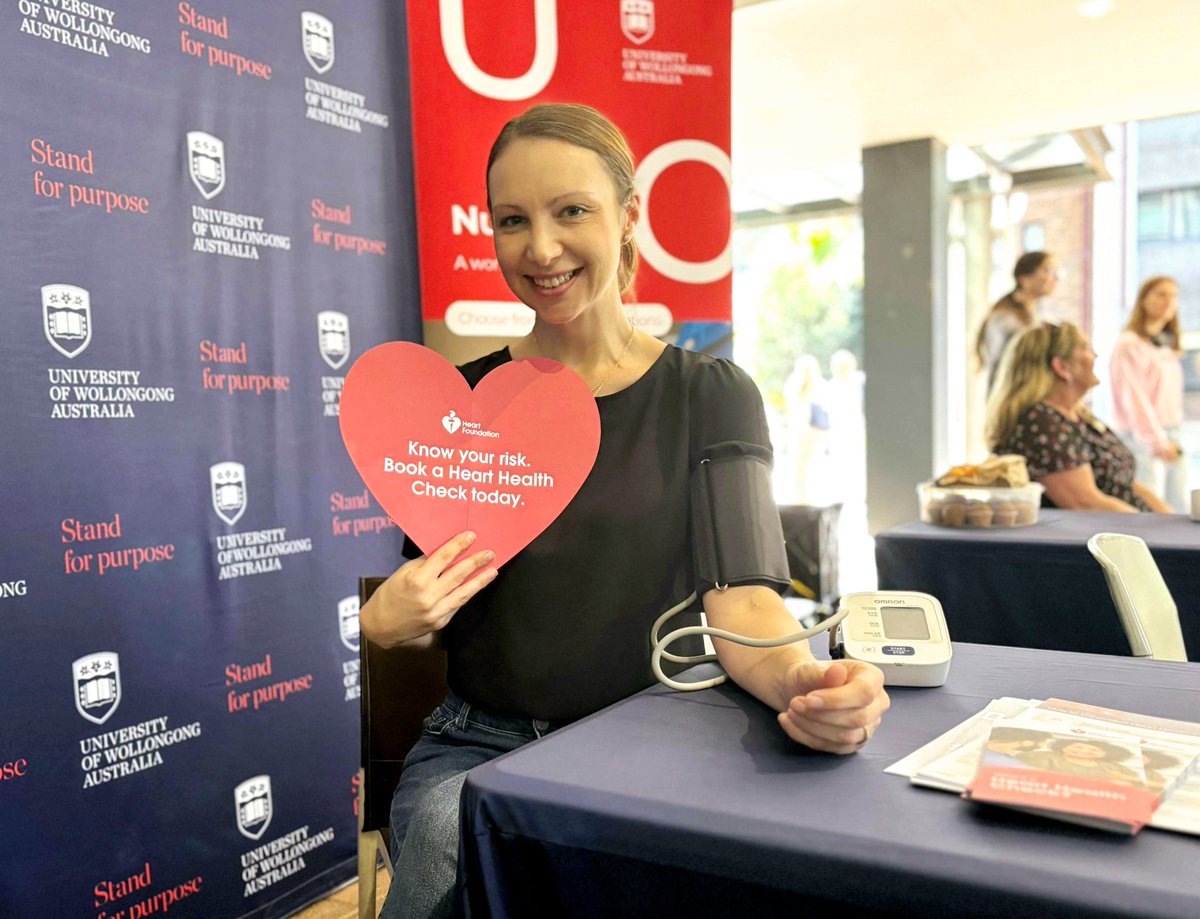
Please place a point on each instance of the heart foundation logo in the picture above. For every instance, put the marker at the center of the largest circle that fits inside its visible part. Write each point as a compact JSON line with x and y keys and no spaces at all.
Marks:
{"x":502,"y":460}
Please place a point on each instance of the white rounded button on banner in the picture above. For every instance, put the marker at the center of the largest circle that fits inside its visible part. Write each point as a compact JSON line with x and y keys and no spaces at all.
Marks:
{"x":489,"y":317}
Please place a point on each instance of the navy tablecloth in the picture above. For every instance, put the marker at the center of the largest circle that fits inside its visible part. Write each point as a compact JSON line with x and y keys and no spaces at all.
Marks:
{"x":1038,"y":586}
{"x":696,"y":804}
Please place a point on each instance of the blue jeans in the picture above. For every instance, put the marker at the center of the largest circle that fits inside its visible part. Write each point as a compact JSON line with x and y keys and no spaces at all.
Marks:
{"x":424,"y":818}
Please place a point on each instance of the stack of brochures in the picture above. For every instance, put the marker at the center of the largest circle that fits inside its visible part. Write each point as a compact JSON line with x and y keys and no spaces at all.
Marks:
{"x":1095,"y":766}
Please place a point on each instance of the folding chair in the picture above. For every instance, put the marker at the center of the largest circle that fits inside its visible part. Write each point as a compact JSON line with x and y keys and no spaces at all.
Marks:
{"x":811,"y":537}
{"x":1144,"y":604}
{"x":400,"y":687}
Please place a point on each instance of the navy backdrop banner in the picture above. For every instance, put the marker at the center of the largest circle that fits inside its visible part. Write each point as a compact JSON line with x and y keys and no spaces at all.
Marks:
{"x":207,"y":215}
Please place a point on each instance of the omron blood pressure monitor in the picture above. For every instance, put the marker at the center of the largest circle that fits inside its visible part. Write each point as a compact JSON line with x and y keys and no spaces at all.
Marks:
{"x":901,"y":632}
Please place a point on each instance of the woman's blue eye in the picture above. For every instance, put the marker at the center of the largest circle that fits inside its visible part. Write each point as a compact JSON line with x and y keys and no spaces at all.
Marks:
{"x":574,"y":210}
{"x":510,"y":221}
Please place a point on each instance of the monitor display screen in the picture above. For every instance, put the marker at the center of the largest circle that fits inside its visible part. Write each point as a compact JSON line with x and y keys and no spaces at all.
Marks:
{"x":905,"y":622}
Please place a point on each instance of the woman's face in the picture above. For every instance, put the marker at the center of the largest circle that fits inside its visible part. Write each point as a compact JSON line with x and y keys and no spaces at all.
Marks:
{"x":1043,"y":281}
{"x":1161,"y":302}
{"x":558,"y":226}
{"x":1081,"y":750}
{"x":1081,"y":367}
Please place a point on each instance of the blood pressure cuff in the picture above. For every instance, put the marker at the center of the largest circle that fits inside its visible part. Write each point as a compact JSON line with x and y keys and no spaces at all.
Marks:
{"x":737,"y":537}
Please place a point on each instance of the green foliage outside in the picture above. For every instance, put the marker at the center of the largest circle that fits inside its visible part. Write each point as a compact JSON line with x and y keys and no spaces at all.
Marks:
{"x":807,"y":288}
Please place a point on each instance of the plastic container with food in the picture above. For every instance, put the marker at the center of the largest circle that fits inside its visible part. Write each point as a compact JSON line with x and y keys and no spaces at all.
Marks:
{"x":979,"y":506}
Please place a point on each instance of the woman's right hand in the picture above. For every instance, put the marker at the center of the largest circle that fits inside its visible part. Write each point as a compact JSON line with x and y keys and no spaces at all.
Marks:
{"x":423,"y":595}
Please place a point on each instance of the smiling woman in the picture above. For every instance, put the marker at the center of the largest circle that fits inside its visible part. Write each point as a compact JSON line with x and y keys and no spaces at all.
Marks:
{"x":563,"y":206}
{"x":563,"y":630}
{"x":557,"y":243}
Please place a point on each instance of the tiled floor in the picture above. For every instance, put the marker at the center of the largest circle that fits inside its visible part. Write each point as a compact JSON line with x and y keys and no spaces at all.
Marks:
{"x":343,"y":904}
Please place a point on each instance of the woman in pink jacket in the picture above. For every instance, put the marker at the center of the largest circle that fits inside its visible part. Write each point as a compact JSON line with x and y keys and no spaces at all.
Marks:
{"x":1147,"y":382}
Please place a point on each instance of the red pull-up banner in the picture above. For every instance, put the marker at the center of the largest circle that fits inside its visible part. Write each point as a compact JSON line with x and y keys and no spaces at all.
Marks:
{"x":660,"y":69}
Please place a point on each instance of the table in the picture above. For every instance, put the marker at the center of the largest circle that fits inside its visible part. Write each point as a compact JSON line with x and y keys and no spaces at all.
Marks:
{"x":1038,"y":586}
{"x":695,"y":804}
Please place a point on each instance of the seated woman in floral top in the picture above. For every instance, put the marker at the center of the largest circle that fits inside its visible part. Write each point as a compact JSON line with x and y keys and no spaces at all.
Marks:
{"x":1036,"y":411}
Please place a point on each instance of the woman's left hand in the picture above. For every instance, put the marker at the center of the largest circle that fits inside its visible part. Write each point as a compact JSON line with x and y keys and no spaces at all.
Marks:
{"x":835,"y":706}
{"x":1168,"y":452}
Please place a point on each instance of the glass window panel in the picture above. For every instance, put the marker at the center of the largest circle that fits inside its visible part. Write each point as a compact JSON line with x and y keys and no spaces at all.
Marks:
{"x":1154,"y":215}
{"x":1188,"y":202}
{"x":1033,"y":237}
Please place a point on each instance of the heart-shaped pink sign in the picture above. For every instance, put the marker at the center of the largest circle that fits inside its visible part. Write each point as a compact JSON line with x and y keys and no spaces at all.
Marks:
{"x":503,"y":459}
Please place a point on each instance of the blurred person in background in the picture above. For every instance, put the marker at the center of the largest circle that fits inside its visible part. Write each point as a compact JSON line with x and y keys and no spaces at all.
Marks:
{"x":807,"y":427}
{"x":1147,"y":386}
{"x":1036,"y":410}
{"x":847,"y":428}
{"x":1036,"y":275}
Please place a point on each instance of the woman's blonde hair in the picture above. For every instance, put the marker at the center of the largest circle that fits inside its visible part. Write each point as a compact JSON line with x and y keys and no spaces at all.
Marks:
{"x":581,"y":126}
{"x":1026,"y":377}
{"x":1137,"y":319}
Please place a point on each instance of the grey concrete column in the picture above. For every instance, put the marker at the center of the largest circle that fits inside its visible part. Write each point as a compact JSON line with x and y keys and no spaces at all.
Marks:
{"x":905,"y":210}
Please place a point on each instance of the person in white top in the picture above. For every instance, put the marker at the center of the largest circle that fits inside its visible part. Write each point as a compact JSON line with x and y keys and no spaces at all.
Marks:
{"x":807,"y":432}
{"x":1147,"y":383}
{"x":1036,"y":275}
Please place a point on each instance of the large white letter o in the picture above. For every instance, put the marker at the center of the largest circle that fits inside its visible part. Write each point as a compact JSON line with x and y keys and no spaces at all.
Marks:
{"x":508,"y":89}
{"x":654,"y":165}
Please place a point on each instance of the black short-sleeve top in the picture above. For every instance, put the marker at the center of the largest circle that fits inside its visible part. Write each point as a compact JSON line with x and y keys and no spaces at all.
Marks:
{"x":564,"y":629}
{"x":1052,"y":442}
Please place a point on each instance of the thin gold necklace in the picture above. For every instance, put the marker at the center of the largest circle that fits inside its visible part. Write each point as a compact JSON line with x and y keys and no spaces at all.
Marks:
{"x":611,"y":370}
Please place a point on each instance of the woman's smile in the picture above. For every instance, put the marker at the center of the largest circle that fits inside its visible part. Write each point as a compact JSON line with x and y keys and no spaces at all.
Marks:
{"x":554,"y":284}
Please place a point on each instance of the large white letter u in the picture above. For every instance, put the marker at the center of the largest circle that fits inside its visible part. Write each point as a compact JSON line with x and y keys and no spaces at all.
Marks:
{"x":509,"y":89}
